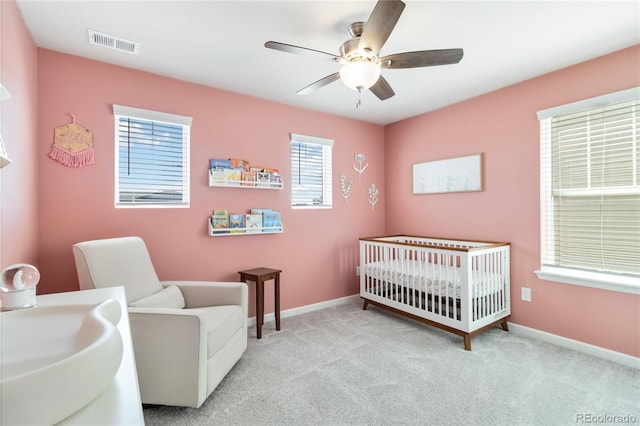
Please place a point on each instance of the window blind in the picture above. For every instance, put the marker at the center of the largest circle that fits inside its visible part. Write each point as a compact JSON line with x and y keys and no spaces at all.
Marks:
{"x":311,"y":181}
{"x":590,"y":188}
{"x":152,"y":158}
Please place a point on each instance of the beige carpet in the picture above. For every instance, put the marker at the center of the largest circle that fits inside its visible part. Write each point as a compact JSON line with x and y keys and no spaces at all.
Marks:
{"x":346,"y":366}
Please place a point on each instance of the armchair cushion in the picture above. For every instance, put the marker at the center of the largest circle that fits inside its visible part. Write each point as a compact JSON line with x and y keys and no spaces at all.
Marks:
{"x":169,"y":297}
{"x":116,"y":262}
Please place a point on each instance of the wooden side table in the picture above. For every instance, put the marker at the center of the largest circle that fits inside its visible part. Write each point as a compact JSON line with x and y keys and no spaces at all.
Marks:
{"x":259,"y":276}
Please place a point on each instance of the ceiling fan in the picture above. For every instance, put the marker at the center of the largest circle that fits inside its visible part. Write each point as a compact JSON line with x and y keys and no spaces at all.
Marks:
{"x":360,"y":55}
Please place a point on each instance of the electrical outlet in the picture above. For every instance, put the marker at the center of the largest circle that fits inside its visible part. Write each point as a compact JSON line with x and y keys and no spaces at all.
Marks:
{"x":357,"y":271}
{"x":525,"y":294}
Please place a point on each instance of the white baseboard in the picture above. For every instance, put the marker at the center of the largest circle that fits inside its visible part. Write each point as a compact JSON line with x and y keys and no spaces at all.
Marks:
{"x":306,"y":309}
{"x":554,"y":339}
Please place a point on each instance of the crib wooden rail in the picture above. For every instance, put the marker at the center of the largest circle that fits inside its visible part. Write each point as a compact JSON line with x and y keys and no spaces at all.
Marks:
{"x":458,"y":285}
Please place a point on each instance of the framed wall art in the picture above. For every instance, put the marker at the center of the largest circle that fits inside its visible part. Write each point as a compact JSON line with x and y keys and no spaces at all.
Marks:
{"x":460,"y":174}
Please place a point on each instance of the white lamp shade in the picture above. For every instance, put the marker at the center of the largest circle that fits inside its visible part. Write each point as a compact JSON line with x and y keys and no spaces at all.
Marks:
{"x":360,"y":75}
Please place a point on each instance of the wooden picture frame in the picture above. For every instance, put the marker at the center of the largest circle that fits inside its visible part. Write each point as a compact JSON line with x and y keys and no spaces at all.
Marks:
{"x":460,"y":174}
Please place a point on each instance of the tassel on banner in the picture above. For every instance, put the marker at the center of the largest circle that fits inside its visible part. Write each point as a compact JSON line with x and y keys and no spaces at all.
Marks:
{"x":72,"y":159}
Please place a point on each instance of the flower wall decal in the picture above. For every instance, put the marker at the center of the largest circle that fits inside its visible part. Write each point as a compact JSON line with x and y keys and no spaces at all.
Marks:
{"x":373,"y":195}
{"x":345,"y":187}
{"x":360,"y":158}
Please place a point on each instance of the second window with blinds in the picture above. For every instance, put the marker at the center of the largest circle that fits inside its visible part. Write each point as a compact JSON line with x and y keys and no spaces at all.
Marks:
{"x":311,"y":181}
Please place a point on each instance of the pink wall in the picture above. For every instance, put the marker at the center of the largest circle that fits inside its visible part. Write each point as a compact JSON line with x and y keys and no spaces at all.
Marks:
{"x":18,"y":118}
{"x":504,"y":126}
{"x":318,"y":249}
{"x":46,"y":207}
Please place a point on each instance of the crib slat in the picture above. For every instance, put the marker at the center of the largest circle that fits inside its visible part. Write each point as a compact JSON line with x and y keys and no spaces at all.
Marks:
{"x":483,"y":278}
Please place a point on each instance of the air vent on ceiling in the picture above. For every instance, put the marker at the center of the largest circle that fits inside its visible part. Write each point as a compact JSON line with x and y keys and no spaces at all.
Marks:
{"x":106,"y":40}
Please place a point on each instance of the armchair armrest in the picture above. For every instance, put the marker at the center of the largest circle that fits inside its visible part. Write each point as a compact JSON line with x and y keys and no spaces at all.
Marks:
{"x":199,"y":294}
{"x":173,"y":341}
{"x":202,"y":294}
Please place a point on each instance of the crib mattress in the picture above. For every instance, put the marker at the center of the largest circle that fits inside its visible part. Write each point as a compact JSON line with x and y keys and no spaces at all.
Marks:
{"x":432,"y":278}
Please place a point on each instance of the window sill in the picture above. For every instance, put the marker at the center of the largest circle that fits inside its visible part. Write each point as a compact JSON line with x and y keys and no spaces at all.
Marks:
{"x":624,"y":284}
{"x":151,"y":206}
{"x":311,"y":207}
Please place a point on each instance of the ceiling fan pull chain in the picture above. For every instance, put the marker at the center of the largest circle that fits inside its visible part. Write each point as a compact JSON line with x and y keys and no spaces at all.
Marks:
{"x":359,"y":101}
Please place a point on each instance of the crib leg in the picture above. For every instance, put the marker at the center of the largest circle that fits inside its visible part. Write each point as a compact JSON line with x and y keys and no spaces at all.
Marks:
{"x":504,"y":324}
{"x":467,"y":342}
{"x":365,"y":304}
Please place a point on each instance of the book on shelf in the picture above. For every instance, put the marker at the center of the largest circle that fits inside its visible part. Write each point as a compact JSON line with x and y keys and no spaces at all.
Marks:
{"x":271,"y":220}
{"x":253,"y":222}
{"x":263,"y":178}
{"x":239,"y":163}
{"x":219,"y":175}
{"x":259,"y":211}
{"x":236,"y":223}
{"x":248,"y":178}
{"x":274,"y":175}
{"x":219,"y":163}
{"x":220,"y":221}
{"x":235,"y":175}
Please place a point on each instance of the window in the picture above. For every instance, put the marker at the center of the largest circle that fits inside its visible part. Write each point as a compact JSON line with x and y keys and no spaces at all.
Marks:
{"x":590,"y":192}
{"x":310,"y":172}
{"x":152,"y":158}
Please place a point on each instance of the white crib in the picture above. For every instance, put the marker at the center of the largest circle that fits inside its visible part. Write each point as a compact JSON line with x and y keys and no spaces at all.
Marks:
{"x":459,"y":286}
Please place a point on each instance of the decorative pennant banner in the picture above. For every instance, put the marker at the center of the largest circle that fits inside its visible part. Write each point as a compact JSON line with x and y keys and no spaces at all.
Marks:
{"x":73,"y":145}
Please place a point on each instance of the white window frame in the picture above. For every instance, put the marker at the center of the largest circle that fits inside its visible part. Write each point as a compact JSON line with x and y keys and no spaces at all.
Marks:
{"x":159,"y":117}
{"x":606,"y":281}
{"x":327,"y":178}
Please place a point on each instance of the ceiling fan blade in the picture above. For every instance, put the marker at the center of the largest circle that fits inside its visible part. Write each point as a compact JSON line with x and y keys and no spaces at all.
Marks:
{"x":377,"y":29}
{"x":423,"y":58}
{"x":382,"y":89}
{"x":318,"y":84}
{"x":301,"y":51}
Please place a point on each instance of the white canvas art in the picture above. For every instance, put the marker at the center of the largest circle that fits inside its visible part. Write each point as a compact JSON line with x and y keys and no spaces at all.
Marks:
{"x":459,"y":174}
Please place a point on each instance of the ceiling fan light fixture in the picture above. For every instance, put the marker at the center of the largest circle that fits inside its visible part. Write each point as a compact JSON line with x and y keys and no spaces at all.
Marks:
{"x":360,"y":75}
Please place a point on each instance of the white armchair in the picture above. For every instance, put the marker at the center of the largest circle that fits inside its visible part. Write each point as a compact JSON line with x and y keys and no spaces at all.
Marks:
{"x":186,"y":335}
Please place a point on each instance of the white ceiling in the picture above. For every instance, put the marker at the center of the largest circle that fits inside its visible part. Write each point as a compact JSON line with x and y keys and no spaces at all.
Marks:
{"x":221,"y":44}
